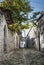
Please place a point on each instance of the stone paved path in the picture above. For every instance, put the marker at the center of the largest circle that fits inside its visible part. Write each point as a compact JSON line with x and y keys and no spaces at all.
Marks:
{"x":25,"y":57}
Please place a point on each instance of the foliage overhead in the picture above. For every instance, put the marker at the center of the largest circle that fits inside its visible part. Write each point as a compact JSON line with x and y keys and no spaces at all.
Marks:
{"x":19,"y":9}
{"x":34,"y":18}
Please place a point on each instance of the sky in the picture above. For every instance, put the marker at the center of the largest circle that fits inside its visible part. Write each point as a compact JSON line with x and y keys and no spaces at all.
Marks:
{"x":37,"y":5}
{"x":1,"y":0}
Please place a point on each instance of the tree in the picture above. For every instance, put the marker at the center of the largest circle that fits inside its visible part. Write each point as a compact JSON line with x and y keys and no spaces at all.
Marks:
{"x":19,"y":9}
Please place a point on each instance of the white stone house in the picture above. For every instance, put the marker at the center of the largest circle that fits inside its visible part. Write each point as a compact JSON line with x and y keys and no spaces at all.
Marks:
{"x":8,"y":39}
{"x":36,"y":35}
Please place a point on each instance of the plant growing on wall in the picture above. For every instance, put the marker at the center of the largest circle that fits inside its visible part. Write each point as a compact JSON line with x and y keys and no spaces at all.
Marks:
{"x":20,"y":10}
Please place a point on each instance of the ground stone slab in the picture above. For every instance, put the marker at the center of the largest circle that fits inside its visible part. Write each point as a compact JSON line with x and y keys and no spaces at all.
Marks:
{"x":25,"y":57}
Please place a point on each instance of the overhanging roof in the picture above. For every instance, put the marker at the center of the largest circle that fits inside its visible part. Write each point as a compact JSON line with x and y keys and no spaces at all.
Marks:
{"x":42,"y":13}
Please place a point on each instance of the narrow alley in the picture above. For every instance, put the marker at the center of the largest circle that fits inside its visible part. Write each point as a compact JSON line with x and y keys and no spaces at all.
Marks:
{"x":24,"y":57}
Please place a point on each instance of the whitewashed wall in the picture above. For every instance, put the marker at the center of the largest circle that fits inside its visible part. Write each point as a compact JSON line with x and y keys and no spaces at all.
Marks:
{"x":36,"y":33}
{"x":13,"y":41}
{"x":2,"y":26}
{"x":8,"y":40}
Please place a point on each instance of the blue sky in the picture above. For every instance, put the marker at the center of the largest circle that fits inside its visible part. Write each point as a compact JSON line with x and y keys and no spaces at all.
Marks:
{"x":38,"y":5}
{"x":1,"y":0}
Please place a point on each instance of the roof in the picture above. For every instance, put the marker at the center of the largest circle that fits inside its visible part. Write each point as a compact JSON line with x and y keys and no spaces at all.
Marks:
{"x":7,"y":14}
{"x":42,"y":13}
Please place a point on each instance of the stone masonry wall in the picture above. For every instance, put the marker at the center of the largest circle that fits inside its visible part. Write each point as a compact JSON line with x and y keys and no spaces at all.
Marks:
{"x":8,"y":40}
{"x":2,"y":37}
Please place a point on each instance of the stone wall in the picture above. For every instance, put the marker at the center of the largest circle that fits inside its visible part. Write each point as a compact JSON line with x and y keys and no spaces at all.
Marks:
{"x":32,"y":39}
{"x":36,"y":35}
{"x":3,"y":37}
{"x":8,"y":39}
{"x":13,"y":41}
{"x":41,"y":24}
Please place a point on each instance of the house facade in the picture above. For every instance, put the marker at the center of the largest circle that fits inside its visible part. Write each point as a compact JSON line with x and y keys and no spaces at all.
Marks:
{"x":41,"y":31}
{"x":8,"y":39}
{"x":35,"y":37}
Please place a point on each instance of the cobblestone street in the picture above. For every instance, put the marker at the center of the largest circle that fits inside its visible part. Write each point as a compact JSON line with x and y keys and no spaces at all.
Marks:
{"x":25,"y":57}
